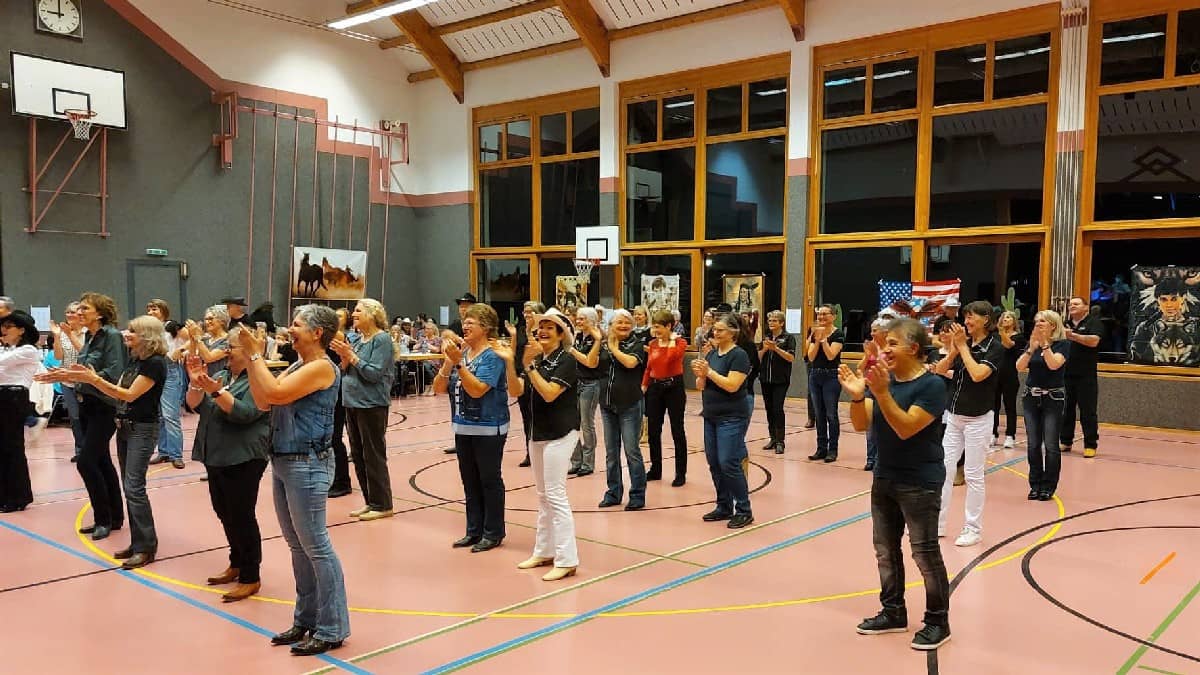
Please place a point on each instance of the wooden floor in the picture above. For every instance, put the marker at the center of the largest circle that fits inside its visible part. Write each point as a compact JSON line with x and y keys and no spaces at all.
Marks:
{"x":1097,"y":581}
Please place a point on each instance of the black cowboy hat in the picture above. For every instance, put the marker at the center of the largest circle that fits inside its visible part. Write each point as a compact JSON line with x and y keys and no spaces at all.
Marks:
{"x":235,"y":300}
{"x":23,"y":320}
{"x":466,"y":297}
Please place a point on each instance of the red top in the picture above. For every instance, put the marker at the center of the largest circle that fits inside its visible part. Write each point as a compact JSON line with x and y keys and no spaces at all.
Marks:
{"x":663,"y":362}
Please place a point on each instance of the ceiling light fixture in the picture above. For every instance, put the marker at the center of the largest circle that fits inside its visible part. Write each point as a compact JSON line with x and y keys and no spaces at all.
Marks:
{"x":770,"y":92}
{"x":894,"y":73}
{"x":1133,"y":38}
{"x":680,"y":104}
{"x":380,"y":12}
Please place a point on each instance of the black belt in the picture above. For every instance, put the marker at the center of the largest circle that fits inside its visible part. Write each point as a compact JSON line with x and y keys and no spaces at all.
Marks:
{"x":665,"y":380}
{"x":14,"y":388}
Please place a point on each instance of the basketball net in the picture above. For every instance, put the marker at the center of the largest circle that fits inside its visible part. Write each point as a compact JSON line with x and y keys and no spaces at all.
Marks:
{"x":583,"y":269}
{"x":81,"y":122}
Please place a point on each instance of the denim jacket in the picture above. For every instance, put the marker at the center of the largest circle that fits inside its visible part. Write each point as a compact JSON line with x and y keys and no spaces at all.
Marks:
{"x":488,"y":414}
{"x":305,"y":426}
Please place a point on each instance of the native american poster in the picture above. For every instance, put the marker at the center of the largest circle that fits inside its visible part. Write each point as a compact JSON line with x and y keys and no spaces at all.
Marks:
{"x":329,"y":273}
{"x":1164,"y":316}
{"x":660,"y":291}
{"x":920,"y":300}
{"x":570,"y":292}
{"x":744,"y":292}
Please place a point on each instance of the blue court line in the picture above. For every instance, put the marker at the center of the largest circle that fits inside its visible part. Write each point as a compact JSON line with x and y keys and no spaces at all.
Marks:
{"x":521,"y":640}
{"x":348,"y":667}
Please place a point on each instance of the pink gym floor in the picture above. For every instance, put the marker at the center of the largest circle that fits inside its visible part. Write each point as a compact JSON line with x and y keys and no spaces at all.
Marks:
{"x":1102,"y":579}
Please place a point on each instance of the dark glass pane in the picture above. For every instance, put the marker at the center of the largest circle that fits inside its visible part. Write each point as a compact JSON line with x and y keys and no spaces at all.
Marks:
{"x":1187,"y":51}
{"x":679,"y":117}
{"x":845,"y":92}
{"x":869,"y":178}
{"x":724,"y":110}
{"x":1022,"y":66}
{"x":987,"y":168}
{"x":987,"y":272}
{"x":506,"y":206}
{"x":1147,"y":164}
{"x":1112,"y":287}
{"x":768,"y":104}
{"x":842,"y":280}
{"x":552,"y":268}
{"x":570,"y":199}
{"x":503,"y":284}
{"x":554,"y":134}
{"x":894,"y":85}
{"x":642,"y":122}
{"x":958,"y":74}
{"x":1133,"y":50}
{"x":518,"y":138}
{"x":744,"y":188}
{"x":585,"y":128}
{"x":767,"y":263}
{"x":489,"y":142}
{"x":660,"y":195}
{"x":635,"y":267}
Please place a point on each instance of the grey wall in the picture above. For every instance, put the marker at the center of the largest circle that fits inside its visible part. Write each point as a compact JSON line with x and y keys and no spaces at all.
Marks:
{"x":168,"y":191}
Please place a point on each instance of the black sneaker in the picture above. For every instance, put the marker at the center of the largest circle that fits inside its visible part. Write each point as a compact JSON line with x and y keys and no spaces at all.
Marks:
{"x":883,"y":623}
{"x":716,"y":515}
{"x":740,"y":520}
{"x":931,"y":637}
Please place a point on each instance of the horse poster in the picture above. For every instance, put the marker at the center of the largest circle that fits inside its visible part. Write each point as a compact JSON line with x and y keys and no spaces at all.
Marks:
{"x":328,"y":273}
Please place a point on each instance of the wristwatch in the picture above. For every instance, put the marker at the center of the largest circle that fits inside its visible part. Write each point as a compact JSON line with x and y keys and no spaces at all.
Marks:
{"x":255,"y":357}
{"x":220,"y":391}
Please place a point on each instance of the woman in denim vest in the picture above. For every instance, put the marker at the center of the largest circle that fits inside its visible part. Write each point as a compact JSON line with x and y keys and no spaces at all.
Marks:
{"x":475,"y":379}
{"x":301,"y":402}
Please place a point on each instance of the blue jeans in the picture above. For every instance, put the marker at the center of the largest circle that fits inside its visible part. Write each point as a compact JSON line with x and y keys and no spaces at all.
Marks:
{"x":135,"y":444}
{"x":824,"y":390}
{"x":725,"y":448}
{"x":584,"y":457}
{"x":622,"y":429}
{"x":170,"y":433}
{"x":300,"y":484}
{"x":71,"y":403}
{"x":1043,"y":417}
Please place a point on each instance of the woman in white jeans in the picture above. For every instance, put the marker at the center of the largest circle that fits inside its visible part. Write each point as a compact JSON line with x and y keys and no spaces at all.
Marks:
{"x":550,"y":375}
{"x":973,"y":360}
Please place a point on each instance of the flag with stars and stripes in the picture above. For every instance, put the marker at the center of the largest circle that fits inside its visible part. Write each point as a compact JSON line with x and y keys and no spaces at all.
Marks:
{"x":891,"y":291}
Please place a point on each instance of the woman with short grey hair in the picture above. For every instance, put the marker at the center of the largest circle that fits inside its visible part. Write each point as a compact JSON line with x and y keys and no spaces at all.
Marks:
{"x":211,"y":343}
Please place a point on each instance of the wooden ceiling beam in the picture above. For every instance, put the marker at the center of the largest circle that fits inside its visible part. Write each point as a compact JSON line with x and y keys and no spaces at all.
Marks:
{"x":422,"y":75}
{"x":434,"y":49}
{"x":590,"y":28}
{"x":794,"y":10}
{"x":465,"y":24}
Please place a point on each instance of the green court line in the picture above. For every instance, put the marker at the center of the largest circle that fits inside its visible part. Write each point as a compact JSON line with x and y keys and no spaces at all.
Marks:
{"x":1161,"y":672}
{"x":1162,"y":628}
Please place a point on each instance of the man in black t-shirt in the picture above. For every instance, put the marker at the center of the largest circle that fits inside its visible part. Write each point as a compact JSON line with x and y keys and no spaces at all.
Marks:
{"x":1084,"y":331}
{"x":236,"y":306}
{"x":906,"y":403}
{"x":464,"y":301}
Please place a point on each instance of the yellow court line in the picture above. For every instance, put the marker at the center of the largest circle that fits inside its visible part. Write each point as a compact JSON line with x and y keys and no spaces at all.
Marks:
{"x":1159,"y":566}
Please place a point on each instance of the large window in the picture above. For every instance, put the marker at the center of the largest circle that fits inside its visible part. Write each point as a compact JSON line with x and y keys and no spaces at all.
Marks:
{"x":869,"y":178}
{"x":850,"y":278}
{"x":989,"y":271}
{"x":660,"y":195}
{"x":744,"y":195}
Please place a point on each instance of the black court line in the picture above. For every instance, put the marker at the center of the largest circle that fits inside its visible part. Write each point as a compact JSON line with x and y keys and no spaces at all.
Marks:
{"x":931,"y":656}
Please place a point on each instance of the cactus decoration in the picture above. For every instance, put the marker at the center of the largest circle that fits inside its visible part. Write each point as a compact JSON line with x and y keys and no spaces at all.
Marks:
{"x":837,"y":316}
{"x":1009,"y":302}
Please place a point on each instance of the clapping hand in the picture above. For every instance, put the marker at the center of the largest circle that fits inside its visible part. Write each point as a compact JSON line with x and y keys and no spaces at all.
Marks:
{"x":870,"y":349}
{"x":510,"y":329}
{"x":594,"y":330}
{"x":203,"y":381}
{"x":818,"y":333}
{"x":79,"y":372}
{"x":195,"y":367}
{"x":700,"y":368}
{"x":250,"y":342}
{"x":958,"y":336}
{"x":852,"y":382}
{"x":452,"y":351}
{"x":194,"y":329}
{"x":503,"y":350}
{"x":879,"y":378}
{"x":343,"y":349}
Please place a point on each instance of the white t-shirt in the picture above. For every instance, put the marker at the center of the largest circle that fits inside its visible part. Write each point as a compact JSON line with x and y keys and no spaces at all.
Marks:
{"x":18,"y":365}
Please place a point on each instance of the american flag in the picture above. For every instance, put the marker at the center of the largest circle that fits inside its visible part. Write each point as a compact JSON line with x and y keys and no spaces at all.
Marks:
{"x":925,"y":298}
{"x":891,"y":291}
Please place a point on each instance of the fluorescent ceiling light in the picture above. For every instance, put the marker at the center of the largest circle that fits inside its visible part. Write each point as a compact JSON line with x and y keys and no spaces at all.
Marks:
{"x":1133,"y":38}
{"x":845,"y":80}
{"x":894,"y":73}
{"x":379,"y":12}
{"x":680,"y":104}
{"x":771,"y":92}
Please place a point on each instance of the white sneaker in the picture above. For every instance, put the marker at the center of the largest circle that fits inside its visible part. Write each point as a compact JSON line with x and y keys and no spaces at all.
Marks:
{"x":33,"y":433}
{"x":1009,"y":442}
{"x":995,"y":441}
{"x":968,"y":538}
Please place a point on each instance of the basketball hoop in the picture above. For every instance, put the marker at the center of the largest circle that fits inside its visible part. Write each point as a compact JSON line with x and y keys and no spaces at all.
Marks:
{"x":81,"y":122}
{"x":583,"y":269}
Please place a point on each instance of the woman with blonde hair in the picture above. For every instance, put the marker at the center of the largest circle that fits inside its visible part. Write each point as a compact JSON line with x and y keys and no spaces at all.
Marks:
{"x":139,"y":392}
{"x":366,"y":394}
{"x":1044,"y":401}
{"x":170,"y":432}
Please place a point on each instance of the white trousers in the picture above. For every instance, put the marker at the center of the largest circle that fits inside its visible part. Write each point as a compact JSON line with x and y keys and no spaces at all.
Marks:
{"x":555,"y":524}
{"x":972,"y":436}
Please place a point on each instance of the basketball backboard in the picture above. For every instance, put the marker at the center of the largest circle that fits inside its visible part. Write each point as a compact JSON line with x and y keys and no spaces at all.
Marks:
{"x":600,"y":243}
{"x":44,"y":87}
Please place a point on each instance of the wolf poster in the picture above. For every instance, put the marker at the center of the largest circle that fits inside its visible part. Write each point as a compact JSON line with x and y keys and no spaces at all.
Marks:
{"x":1164,"y":316}
{"x":329,"y":273}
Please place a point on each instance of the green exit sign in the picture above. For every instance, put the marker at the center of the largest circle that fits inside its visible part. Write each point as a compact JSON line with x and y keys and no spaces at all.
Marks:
{"x":157,"y":252}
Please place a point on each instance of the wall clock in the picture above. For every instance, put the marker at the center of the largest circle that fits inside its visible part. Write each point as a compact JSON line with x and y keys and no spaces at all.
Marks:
{"x":59,"y":17}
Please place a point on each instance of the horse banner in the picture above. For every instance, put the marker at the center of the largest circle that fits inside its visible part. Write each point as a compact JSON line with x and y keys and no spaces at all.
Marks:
{"x":328,"y":273}
{"x":1164,"y":316}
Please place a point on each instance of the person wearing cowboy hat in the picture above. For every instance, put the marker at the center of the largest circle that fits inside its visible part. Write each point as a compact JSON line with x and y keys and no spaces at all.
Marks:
{"x":236,"y":306}
{"x":551,"y":377}
{"x":20,"y":360}
{"x":463,"y":301}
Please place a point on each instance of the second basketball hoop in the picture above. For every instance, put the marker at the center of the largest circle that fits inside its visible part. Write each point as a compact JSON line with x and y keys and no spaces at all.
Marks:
{"x":81,"y":122}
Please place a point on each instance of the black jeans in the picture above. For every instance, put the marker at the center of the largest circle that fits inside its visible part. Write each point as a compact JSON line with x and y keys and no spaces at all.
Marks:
{"x":234,"y":494}
{"x":341,"y":463}
{"x":812,"y":413}
{"x":15,"y":489}
{"x":135,"y":444}
{"x":1006,"y":394}
{"x":1082,"y":392}
{"x":479,"y":466}
{"x":367,"y":427}
{"x":773,"y":397}
{"x":1043,"y":415}
{"x":666,"y":397}
{"x":95,"y":466}
{"x":894,"y":506}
